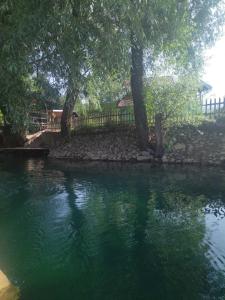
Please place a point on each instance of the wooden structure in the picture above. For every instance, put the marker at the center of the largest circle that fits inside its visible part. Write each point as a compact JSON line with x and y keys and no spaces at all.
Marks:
{"x":126,"y":101}
{"x":39,"y":119}
{"x":54,"y":118}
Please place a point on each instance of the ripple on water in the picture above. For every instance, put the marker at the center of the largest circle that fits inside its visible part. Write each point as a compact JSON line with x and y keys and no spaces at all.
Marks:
{"x":109,"y":234}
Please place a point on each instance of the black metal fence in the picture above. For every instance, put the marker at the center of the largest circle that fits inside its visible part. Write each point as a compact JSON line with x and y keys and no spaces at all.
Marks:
{"x":98,"y":120}
{"x":106,"y":119}
{"x":213,"y":108}
{"x":209,"y":109}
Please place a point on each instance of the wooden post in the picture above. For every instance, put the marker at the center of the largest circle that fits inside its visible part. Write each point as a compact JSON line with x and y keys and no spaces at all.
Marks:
{"x":206,"y":107}
{"x":159,"y":135}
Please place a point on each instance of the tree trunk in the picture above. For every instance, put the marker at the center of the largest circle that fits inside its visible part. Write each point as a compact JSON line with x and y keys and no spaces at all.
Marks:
{"x":68,"y":107}
{"x":159,"y":136}
{"x":137,"y":94}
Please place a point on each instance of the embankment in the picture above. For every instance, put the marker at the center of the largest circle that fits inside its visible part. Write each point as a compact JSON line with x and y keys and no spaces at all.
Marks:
{"x":204,"y":144}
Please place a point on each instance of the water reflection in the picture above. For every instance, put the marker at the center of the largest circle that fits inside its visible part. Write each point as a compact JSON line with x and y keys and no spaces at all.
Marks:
{"x":112,"y":231}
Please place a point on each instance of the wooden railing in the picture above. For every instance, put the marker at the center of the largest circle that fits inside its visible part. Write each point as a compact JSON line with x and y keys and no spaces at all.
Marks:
{"x":38,"y":120}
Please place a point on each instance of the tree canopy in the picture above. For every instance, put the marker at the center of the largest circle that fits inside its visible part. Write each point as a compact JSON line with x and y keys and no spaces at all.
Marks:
{"x":77,"y":43}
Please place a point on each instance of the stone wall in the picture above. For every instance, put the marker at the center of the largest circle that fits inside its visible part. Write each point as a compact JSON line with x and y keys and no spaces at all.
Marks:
{"x":120,"y":145}
{"x":204,"y":144}
{"x":186,"y":145}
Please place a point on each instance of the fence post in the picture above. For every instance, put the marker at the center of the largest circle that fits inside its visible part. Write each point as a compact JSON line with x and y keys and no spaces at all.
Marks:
{"x":219,"y":105}
{"x":210,"y":108}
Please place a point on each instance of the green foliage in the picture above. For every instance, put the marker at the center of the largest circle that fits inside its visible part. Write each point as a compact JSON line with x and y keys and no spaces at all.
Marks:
{"x":15,"y":91}
{"x":15,"y":102}
{"x":174,"y":98}
{"x":45,"y":94}
{"x":83,"y":44}
{"x":105,"y":91}
{"x":102,"y":93}
{"x":176,"y":29}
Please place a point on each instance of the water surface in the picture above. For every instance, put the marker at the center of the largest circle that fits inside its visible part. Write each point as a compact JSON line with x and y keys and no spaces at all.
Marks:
{"x":112,"y":231}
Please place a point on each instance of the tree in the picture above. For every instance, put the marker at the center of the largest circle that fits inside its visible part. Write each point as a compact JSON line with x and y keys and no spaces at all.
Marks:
{"x":71,"y":40}
{"x":178,"y":29}
{"x":54,"y":47}
{"x":137,"y":93}
{"x":171,"y":100}
{"x":12,"y":73}
{"x":101,"y":93}
{"x":19,"y":33}
{"x":101,"y":50}
{"x":45,"y":93}
{"x":73,"y":36}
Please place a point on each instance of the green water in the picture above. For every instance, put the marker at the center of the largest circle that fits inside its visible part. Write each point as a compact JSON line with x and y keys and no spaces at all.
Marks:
{"x":111,"y":231}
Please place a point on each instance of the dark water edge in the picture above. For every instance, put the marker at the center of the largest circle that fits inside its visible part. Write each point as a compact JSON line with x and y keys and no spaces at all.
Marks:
{"x":112,"y":230}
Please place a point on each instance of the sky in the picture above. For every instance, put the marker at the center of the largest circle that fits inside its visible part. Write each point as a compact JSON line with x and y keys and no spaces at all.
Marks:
{"x":214,"y":70}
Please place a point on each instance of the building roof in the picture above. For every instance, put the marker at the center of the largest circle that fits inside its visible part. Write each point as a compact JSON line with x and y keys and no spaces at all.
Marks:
{"x":60,"y":111}
{"x":205,"y":87}
{"x":126,"y":101}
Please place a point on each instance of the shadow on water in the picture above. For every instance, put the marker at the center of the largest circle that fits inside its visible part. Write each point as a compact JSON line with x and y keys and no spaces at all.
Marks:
{"x":112,"y":231}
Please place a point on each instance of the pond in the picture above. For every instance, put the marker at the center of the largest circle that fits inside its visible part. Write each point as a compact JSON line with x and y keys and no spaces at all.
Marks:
{"x":112,"y":231}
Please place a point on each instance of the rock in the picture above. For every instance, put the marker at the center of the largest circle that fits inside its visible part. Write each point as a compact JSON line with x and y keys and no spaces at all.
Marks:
{"x":90,"y":156}
{"x":179,"y":147}
{"x":144,"y":158}
{"x":188,"y":160}
{"x":200,"y":132}
{"x":144,"y":153}
{"x":187,"y":145}
{"x":190,"y":147}
{"x":165,"y":159}
{"x":141,"y":158}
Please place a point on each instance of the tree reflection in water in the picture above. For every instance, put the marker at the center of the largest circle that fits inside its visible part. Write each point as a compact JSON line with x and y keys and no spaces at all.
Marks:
{"x":113,"y":232}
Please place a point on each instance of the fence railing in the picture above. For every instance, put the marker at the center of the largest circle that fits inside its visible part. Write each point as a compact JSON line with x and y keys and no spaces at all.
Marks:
{"x":99,"y":120}
{"x":210,"y":108}
{"x":38,"y":120}
{"x":214,"y":107}
{"x":105,"y":119}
